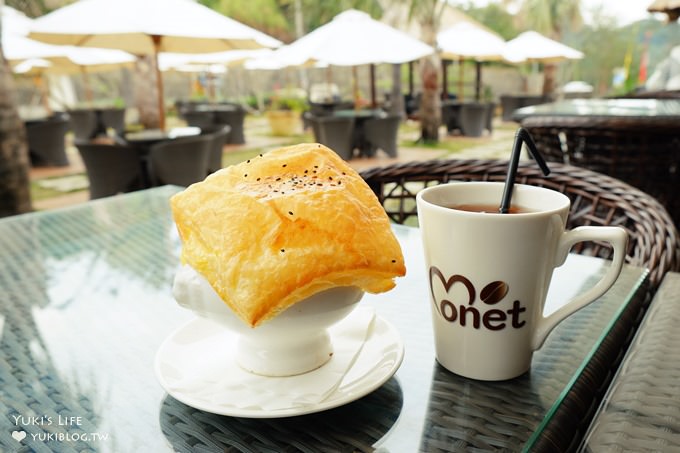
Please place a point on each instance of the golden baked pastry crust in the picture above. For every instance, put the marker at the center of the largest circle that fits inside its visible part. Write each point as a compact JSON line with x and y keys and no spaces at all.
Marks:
{"x":271,"y":231}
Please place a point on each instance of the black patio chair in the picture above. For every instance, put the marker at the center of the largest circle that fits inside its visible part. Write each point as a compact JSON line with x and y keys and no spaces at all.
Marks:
{"x":234,"y":118}
{"x":182,"y":161}
{"x":199,"y":118}
{"x":83,"y":123}
{"x":381,"y":133}
{"x":111,"y":169}
{"x":47,"y":142}
{"x":450,"y":111}
{"x":219,"y":137}
{"x":490,"y":115}
{"x":337,"y":133}
{"x":114,"y":118}
{"x":473,"y":118}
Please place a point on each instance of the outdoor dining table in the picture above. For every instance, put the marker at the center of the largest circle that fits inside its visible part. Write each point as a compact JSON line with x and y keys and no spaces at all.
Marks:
{"x":640,"y":409}
{"x":87,"y":303}
{"x":632,"y":139}
{"x":147,"y":137}
{"x":592,"y":112}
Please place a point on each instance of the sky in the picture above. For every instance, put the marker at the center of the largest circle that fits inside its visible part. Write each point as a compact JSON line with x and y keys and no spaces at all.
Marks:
{"x":623,"y":11}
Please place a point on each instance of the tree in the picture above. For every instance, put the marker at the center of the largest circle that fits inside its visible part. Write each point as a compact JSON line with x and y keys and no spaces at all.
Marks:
{"x":276,"y":17}
{"x":264,"y":15}
{"x":494,"y":16}
{"x":428,"y":13}
{"x":15,"y":195}
{"x":552,"y":18}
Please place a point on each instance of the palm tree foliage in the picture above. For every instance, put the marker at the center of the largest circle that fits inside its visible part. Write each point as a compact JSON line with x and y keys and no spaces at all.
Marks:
{"x":277,"y":17}
{"x":551,"y":17}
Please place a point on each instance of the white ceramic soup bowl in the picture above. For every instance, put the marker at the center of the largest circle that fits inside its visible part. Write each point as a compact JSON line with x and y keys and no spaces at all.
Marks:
{"x":294,"y":342}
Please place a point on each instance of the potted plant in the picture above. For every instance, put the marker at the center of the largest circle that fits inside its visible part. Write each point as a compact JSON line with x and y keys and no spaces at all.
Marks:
{"x":284,"y":113}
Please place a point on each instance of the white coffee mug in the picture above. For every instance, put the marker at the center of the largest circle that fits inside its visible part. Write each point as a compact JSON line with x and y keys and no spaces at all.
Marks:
{"x":489,"y":273}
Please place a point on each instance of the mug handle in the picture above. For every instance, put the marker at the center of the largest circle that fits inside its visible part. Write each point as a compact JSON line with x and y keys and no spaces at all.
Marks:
{"x":618,"y":238}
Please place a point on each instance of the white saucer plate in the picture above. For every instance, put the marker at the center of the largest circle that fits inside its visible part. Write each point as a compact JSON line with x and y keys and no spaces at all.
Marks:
{"x":201,"y":340}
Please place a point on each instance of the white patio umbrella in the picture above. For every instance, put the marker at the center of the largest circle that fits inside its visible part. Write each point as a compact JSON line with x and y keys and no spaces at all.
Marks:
{"x":147,"y":27}
{"x":17,"y":48}
{"x":14,"y":21}
{"x":532,"y":46}
{"x":64,"y":59}
{"x":353,"y":38}
{"x":31,"y":66}
{"x":465,"y":40}
{"x":27,"y":56}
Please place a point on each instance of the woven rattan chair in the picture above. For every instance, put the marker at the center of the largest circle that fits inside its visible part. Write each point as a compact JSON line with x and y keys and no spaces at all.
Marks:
{"x":200,"y":119}
{"x":182,"y":161}
{"x":111,"y":169}
{"x":644,"y":156}
{"x":115,"y":119}
{"x":235,"y":119}
{"x":381,"y":133}
{"x":336,"y":133}
{"x":596,"y":200}
{"x":490,"y":115}
{"x":473,"y":118}
{"x":450,"y":111}
{"x":219,"y":138}
{"x":83,"y":123}
{"x":46,"y":142}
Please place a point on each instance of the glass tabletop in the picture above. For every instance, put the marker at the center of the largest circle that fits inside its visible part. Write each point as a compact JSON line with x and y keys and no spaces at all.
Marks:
{"x":360,"y":113}
{"x":154,"y":135}
{"x":86,"y":304}
{"x":649,"y":109}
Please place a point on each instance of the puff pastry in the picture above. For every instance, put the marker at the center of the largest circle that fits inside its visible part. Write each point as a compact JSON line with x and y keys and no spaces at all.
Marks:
{"x":273,"y":230}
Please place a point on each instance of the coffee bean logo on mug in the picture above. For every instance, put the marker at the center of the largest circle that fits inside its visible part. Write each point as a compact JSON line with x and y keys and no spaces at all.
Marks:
{"x":465,"y":313}
{"x":489,"y":273}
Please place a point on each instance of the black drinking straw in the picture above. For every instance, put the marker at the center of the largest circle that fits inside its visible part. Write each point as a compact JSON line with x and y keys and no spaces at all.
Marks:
{"x":522,"y":136}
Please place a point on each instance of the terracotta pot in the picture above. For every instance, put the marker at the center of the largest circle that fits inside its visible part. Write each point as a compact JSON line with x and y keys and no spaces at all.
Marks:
{"x":284,"y":122}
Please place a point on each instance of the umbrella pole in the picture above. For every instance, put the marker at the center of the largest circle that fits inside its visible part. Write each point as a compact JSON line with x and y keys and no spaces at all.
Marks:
{"x":39,"y":81}
{"x":374,"y":102}
{"x":461,"y":74}
{"x":355,"y":88}
{"x":86,"y":84}
{"x":210,"y":77}
{"x":478,"y":80}
{"x":159,"y":81}
{"x":329,"y":75}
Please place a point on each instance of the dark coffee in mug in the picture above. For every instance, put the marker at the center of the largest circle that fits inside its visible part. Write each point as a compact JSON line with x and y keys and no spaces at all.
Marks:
{"x":487,"y":208}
